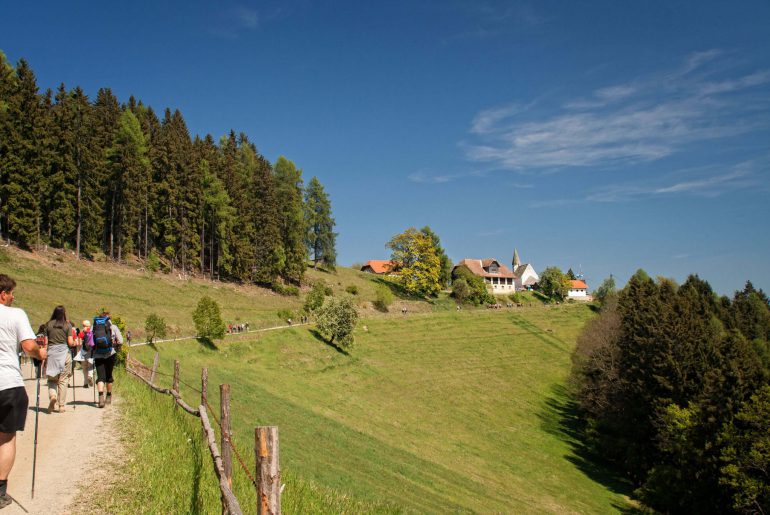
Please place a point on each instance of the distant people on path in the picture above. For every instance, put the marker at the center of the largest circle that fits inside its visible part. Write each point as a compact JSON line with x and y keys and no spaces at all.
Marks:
{"x":15,"y":332}
{"x":58,"y":331}
{"x":107,"y":338}
{"x":128,"y":337}
{"x":85,"y":356}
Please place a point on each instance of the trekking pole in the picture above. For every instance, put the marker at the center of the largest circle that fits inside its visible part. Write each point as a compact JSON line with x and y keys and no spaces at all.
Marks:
{"x":37,"y":414}
{"x":72,"y":381}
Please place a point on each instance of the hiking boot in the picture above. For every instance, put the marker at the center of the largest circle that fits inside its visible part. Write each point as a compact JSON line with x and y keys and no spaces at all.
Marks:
{"x":5,"y":500}
{"x":51,"y":404}
{"x":101,"y":400}
{"x":109,"y":398}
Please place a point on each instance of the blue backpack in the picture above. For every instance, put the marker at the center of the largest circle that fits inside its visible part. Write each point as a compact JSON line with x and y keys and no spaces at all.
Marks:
{"x":102,"y":333}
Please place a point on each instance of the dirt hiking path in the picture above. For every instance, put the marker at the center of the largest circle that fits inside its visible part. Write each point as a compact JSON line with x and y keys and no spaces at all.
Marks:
{"x":71,"y":446}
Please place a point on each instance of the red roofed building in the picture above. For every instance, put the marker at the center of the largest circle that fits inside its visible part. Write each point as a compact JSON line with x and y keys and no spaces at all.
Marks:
{"x":375,"y":266}
{"x":578,"y":290}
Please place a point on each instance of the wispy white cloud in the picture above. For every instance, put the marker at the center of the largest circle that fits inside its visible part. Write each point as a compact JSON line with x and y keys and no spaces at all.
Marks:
{"x":707,"y":182}
{"x":232,"y":22}
{"x":643,"y":120}
{"x":429,"y":177}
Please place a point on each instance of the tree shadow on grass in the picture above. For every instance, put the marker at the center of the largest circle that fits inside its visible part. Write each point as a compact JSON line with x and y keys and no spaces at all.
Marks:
{"x":397,"y":289}
{"x":560,"y":418}
{"x":323,"y":340}
{"x":207,"y":344}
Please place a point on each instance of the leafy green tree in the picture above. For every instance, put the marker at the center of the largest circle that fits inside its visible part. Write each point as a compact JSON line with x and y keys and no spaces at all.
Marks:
{"x":445,"y":264}
{"x":321,"y":238}
{"x":746,"y":455}
{"x":418,"y":263}
{"x":553,"y":283}
{"x":337,"y":320}
{"x":154,"y":327}
{"x":606,"y":292}
{"x":208,"y":319}
{"x":291,"y":218}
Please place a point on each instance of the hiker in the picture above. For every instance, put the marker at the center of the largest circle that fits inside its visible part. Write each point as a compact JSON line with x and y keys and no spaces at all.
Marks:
{"x":107,"y":337}
{"x":85,"y":356}
{"x":59,"y":333}
{"x":15,"y":331}
{"x":128,"y":337}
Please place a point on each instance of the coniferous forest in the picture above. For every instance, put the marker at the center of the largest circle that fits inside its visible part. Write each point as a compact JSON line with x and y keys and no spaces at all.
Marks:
{"x":673,"y":383}
{"x":97,"y":176}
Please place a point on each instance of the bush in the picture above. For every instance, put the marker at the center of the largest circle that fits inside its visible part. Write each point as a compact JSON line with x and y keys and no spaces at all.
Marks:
{"x":315,"y":298}
{"x":383,"y":298}
{"x":154,"y":327}
{"x":478,"y":293}
{"x":285,"y":314}
{"x":208,"y":319}
{"x":4,"y":256}
{"x":336,"y":321}
{"x":516,"y":298}
{"x":152,"y":263}
{"x":287,"y":289}
{"x":460,"y":290}
{"x":352,"y":289}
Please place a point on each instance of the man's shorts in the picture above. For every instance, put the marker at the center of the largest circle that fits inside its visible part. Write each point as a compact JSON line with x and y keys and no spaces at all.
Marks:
{"x":13,"y":409}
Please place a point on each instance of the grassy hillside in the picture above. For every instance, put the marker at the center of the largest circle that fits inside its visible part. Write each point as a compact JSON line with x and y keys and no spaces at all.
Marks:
{"x":436,"y":411}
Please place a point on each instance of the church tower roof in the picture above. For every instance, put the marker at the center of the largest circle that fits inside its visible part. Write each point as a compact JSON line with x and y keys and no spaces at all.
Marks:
{"x":516,"y":260}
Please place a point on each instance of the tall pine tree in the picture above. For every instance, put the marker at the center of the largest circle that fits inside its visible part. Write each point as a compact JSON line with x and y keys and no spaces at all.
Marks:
{"x":321,"y":238}
{"x":291,"y":218}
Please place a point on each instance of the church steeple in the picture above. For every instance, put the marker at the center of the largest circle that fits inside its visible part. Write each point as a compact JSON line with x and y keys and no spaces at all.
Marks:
{"x":516,"y":260}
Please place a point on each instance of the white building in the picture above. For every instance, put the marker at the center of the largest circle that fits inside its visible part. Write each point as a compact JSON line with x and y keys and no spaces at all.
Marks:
{"x":578,"y":290}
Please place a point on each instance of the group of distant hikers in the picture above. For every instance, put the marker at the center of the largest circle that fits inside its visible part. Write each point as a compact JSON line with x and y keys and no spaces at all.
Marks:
{"x":54,"y":350}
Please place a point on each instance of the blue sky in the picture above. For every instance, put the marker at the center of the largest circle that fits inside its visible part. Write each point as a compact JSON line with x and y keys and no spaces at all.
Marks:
{"x":604,"y":136}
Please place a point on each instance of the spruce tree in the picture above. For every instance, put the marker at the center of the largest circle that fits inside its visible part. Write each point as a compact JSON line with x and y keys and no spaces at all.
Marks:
{"x":106,"y":116}
{"x":269,"y":257}
{"x":291,"y":218}
{"x":129,"y":168}
{"x":23,"y":164}
{"x":321,"y":238}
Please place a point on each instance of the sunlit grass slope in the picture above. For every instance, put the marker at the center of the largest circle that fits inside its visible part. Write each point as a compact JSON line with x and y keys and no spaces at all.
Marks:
{"x":436,"y":412}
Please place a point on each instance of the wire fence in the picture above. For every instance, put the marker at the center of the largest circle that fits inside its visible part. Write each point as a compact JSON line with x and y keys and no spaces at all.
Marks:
{"x":267,"y":480}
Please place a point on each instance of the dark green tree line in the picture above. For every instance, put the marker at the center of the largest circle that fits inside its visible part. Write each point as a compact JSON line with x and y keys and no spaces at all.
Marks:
{"x":101,"y":177}
{"x":662,"y":376}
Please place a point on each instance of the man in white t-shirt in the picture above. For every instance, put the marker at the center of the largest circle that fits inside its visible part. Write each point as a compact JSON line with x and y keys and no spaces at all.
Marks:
{"x":15,"y":332}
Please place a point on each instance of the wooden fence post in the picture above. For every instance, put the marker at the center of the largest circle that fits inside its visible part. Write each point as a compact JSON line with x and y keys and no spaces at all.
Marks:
{"x":204,"y":386}
{"x":175,"y":384}
{"x":154,"y":369}
{"x":268,"y":471}
{"x":226,"y":449}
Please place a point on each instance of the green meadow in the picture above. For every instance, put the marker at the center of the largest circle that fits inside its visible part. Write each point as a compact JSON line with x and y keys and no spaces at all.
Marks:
{"x":435,"y":411}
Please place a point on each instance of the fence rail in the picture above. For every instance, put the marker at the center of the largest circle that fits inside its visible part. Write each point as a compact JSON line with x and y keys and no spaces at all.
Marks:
{"x":267,"y":482}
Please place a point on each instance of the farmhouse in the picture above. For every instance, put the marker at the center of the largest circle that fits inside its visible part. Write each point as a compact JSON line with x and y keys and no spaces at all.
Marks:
{"x":374,"y":266}
{"x":578,"y":290}
{"x":499,"y":277}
